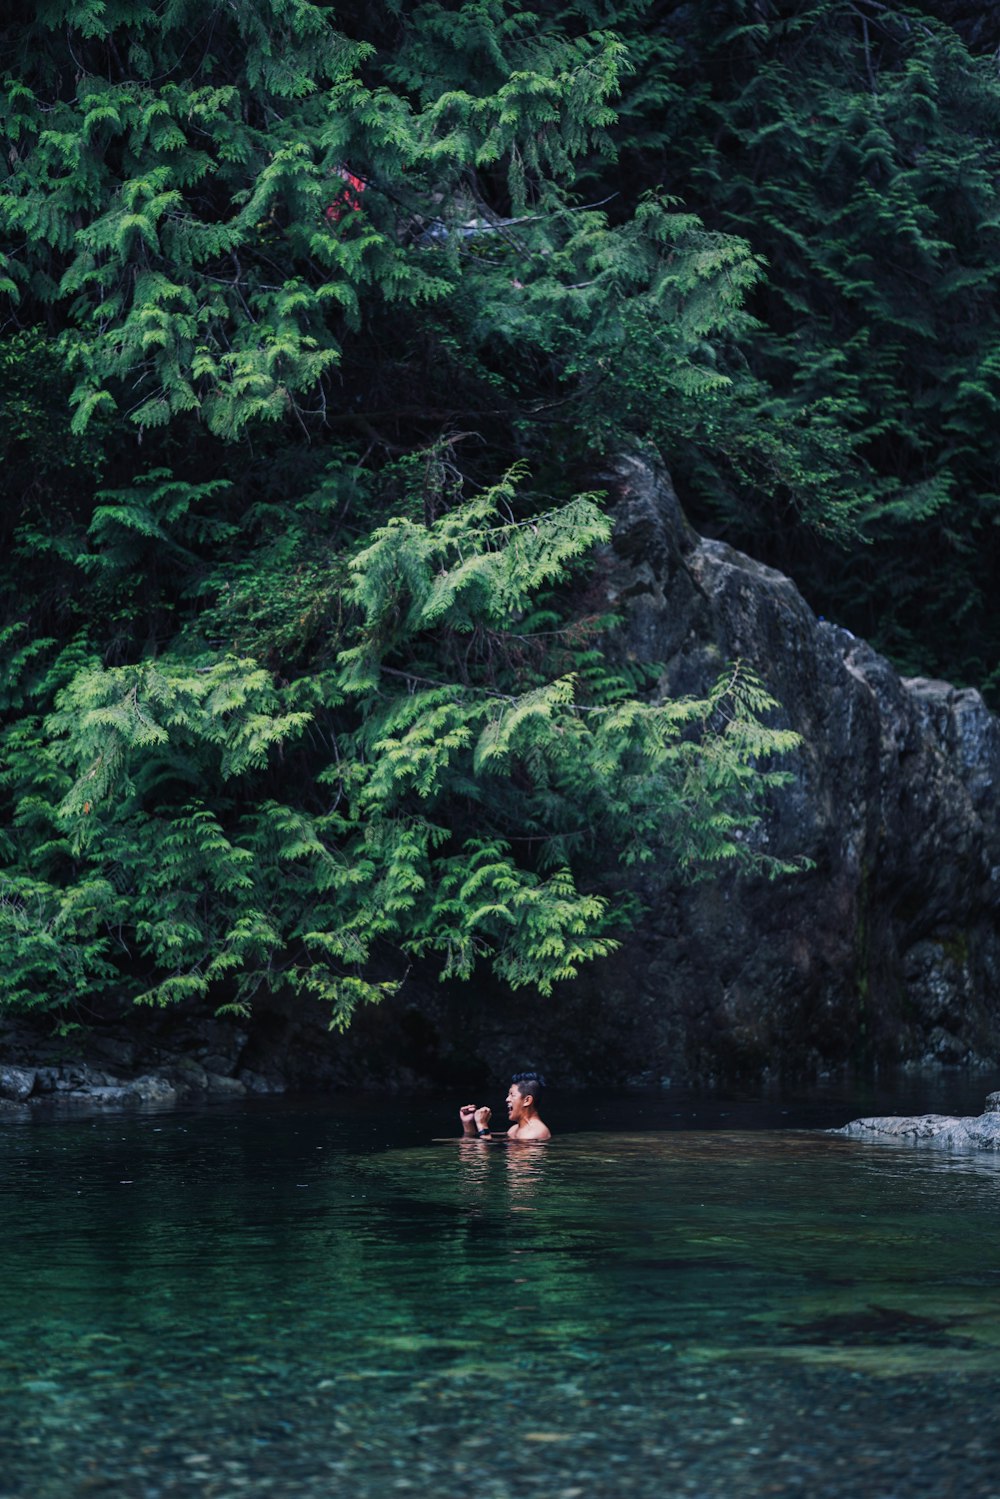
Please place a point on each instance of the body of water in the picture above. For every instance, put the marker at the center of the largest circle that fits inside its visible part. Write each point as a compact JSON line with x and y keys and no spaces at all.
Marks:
{"x":677,"y":1296}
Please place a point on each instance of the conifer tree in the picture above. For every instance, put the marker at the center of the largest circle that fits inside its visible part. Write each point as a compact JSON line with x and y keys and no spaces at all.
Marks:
{"x":297,"y":692}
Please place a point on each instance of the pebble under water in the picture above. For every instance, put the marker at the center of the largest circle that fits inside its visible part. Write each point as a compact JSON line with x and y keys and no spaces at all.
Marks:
{"x":305,"y":1300}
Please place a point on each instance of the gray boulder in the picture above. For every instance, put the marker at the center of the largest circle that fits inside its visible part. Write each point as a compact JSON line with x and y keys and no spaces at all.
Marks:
{"x":16,"y":1083}
{"x":941,"y":1130}
{"x":152,"y":1088}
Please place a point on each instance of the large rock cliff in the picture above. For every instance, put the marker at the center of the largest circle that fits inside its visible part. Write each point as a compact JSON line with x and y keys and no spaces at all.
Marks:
{"x":888,"y":948}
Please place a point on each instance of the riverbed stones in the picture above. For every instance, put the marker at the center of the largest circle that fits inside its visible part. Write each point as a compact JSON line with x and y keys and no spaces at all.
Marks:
{"x":149,"y":1076}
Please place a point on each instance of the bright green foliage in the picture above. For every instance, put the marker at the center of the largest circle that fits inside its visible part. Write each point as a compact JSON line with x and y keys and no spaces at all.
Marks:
{"x":454,"y":784}
{"x":300,"y":685}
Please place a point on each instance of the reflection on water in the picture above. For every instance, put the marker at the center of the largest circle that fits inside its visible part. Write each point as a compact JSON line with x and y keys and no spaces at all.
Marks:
{"x":275,"y":1301}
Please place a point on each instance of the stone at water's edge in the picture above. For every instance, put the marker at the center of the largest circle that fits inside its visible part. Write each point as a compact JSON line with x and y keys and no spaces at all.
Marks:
{"x":169,"y":1059}
{"x":16,"y":1083}
{"x":979,"y":1133}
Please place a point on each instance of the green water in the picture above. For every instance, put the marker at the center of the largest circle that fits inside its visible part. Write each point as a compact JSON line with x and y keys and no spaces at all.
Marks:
{"x":291,"y":1300}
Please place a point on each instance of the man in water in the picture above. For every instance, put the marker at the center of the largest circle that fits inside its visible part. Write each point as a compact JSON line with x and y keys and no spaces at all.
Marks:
{"x":522,"y":1110}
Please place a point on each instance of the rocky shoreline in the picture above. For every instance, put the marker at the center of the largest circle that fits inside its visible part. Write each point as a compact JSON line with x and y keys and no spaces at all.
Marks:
{"x":120,"y":1072}
{"x":981,"y":1132}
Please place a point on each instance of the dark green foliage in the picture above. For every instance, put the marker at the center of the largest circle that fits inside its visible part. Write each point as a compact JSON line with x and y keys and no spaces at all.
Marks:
{"x":856,"y":148}
{"x":317,"y":318}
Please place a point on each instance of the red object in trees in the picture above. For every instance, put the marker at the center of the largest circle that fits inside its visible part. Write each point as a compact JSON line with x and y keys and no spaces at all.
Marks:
{"x":348,"y":200}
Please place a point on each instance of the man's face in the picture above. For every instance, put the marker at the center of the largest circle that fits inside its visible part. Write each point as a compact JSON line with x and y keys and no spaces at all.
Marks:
{"x":515,"y":1104}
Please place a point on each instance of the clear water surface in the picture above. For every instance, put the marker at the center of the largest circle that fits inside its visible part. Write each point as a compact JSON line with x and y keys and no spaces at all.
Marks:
{"x":677,"y":1296}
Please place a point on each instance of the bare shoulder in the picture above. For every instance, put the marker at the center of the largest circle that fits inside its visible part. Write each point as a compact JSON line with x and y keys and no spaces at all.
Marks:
{"x":535,"y":1130}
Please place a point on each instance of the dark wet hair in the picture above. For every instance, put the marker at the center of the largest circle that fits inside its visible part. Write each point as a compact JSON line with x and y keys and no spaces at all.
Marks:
{"x":529,"y":1082}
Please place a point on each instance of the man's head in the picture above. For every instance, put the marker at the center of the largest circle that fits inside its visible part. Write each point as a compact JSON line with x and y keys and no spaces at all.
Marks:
{"x":524,"y":1094}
